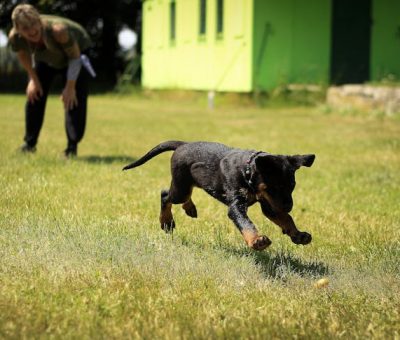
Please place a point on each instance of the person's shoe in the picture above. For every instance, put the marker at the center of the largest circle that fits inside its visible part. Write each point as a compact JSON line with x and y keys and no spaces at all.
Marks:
{"x":70,"y":152}
{"x":26,"y":148}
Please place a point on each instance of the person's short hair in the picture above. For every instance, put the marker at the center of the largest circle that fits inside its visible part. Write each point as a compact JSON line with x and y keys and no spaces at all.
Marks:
{"x":24,"y":14}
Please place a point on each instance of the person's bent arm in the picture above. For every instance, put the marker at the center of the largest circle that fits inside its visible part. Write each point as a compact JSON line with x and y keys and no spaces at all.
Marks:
{"x":34,"y":89}
{"x":73,"y":52}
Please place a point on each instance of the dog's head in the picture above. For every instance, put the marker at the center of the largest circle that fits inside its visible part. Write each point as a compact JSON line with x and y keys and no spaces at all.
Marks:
{"x":278,"y":178}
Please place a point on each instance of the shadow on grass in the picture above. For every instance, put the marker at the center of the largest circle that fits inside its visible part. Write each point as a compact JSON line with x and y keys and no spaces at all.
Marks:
{"x":281,"y":265}
{"x":278,"y":265}
{"x":95,"y":159}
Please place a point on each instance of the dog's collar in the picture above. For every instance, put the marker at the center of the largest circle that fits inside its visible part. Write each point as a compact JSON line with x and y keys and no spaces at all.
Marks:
{"x":248,"y":175}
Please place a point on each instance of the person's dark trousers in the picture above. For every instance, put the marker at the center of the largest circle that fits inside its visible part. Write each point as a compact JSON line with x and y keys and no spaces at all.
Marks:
{"x":75,"y":119}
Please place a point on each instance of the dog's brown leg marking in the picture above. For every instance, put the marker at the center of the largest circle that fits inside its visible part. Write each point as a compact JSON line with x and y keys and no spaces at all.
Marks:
{"x":166,"y":214}
{"x":166,"y":218}
{"x":237,"y":212}
{"x":286,"y":223}
{"x":190,"y":208}
{"x":254,"y":240}
{"x":288,"y":227}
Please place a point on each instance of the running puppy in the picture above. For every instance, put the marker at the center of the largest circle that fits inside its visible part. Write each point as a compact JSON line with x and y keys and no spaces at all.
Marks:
{"x":235,"y":177}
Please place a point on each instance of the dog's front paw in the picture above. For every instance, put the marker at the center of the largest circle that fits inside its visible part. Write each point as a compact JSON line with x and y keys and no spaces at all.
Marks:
{"x":301,"y":238}
{"x":261,"y":242}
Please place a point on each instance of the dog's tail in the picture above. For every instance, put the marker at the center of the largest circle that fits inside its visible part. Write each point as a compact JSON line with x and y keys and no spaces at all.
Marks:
{"x":160,"y":148}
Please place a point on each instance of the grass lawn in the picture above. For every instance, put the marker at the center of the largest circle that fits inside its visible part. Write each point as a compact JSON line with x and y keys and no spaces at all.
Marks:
{"x":82,"y":254}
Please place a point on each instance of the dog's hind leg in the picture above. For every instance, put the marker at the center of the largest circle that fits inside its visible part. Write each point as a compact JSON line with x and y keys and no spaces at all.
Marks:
{"x":166,"y":218}
{"x":190,"y":208}
{"x":176,"y":195}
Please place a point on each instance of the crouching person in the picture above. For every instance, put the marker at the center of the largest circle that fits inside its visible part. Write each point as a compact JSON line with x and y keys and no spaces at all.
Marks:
{"x":47,"y":46}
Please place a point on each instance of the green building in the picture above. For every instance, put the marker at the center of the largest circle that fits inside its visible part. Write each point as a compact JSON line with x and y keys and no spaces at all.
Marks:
{"x":252,"y":45}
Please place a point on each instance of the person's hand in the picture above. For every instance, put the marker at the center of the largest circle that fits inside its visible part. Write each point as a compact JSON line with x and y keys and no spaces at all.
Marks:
{"x":34,"y":91}
{"x":68,"y":97}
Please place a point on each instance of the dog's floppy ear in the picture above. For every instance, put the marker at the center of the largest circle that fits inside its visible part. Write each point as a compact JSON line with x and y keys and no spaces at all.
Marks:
{"x":301,"y":160}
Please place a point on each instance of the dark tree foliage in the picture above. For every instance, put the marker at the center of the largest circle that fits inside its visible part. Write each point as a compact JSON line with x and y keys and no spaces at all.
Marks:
{"x":102,"y":19}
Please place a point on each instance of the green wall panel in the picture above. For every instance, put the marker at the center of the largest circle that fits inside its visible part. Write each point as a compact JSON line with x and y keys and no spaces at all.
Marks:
{"x":310,"y":52}
{"x":291,"y":42}
{"x":385,"y":45}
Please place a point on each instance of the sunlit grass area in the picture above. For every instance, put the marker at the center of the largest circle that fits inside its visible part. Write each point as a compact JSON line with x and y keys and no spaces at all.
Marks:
{"x":82,"y":254}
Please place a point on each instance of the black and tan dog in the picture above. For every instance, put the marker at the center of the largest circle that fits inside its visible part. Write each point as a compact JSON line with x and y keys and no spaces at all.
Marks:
{"x":237,"y":178}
